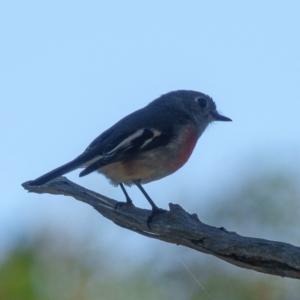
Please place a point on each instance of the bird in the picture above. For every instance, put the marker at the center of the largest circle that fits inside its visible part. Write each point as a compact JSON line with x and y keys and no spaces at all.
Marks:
{"x":146,"y":145}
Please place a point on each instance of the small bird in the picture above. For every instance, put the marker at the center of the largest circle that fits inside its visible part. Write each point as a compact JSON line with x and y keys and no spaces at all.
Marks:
{"x":147,"y":145}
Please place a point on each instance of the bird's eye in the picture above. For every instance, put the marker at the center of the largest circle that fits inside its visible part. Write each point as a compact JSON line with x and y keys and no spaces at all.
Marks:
{"x":202,"y":101}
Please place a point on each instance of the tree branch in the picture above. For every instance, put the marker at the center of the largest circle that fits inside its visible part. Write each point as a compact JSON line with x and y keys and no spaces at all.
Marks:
{"x":178,"y":227}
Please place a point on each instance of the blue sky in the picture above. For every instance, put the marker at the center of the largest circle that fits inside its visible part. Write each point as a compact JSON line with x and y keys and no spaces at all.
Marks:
{"x":71,"y":69}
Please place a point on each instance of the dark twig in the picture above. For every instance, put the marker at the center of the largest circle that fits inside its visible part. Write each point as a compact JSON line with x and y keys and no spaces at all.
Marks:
{"x":179,"y":227}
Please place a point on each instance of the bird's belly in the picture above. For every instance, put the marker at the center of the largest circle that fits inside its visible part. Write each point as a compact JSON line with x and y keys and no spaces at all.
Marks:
{"x":129,"y":171}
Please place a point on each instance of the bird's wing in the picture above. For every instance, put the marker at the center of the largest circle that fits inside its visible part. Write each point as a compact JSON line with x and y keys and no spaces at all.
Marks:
{"x":143,"y":139}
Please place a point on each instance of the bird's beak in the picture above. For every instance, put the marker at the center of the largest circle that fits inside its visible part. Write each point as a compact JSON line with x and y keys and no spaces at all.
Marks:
{"x":219,"y":117}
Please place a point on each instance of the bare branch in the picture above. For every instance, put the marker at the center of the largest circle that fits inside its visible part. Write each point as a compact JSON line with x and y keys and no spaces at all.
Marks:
{"x":178,"y":227}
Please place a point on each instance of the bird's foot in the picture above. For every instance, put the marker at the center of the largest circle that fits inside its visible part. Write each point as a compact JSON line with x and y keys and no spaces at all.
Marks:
{"x":128,"y":202}
{"x":155,"y":211}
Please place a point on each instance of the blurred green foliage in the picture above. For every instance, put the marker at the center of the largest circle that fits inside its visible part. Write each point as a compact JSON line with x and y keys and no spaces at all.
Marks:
{"x":51,"y":266}
{"x":31,"y":273}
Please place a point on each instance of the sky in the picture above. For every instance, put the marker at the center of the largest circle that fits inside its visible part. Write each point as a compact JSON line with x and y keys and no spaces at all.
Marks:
{"x":71,"y":69}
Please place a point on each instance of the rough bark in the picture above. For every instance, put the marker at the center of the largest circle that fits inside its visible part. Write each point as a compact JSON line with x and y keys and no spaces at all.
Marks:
{"x":179,"y":227}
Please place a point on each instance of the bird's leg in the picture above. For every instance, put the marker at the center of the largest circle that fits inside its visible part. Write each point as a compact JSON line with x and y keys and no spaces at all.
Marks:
{"x":155,"y":209}
{"x":128,"y":199}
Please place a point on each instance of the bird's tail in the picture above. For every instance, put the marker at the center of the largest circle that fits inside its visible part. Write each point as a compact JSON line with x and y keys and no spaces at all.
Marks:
{"x":64,"y":169}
